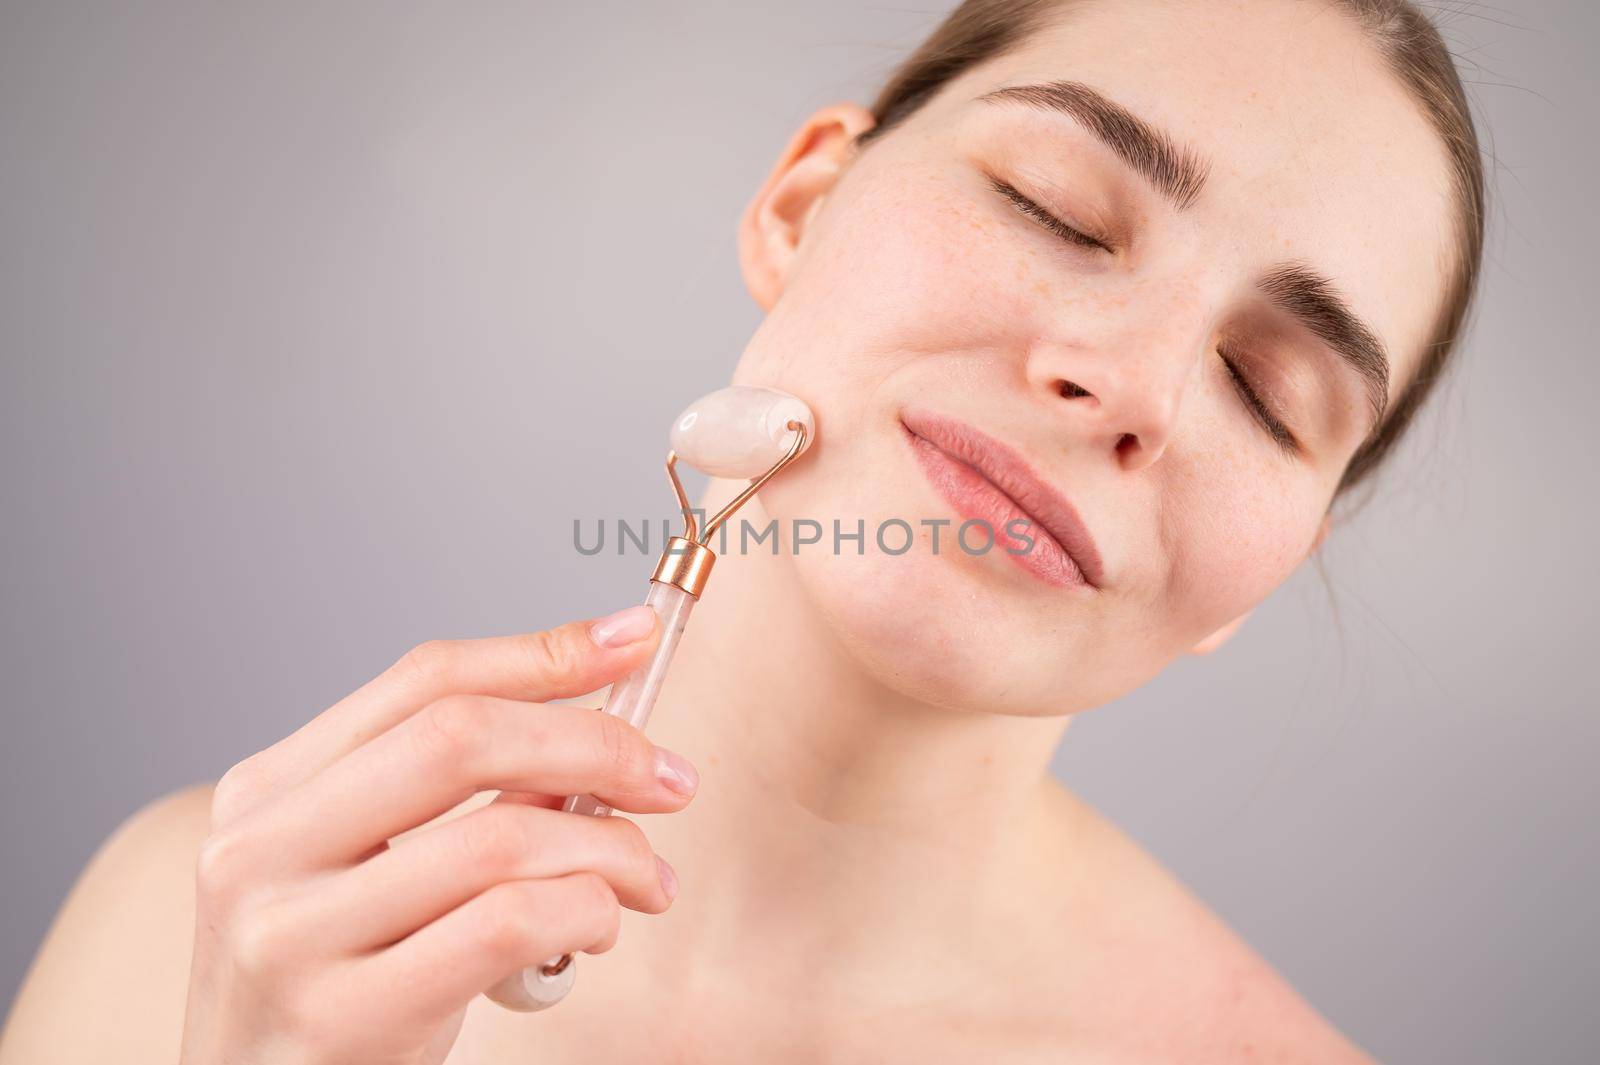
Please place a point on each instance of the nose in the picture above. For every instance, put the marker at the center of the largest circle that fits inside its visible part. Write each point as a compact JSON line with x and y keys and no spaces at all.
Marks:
{"x":1119,"y":384}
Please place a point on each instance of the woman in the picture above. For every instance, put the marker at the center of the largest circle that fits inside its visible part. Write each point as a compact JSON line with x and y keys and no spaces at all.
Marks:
{"x":1183,"y":272}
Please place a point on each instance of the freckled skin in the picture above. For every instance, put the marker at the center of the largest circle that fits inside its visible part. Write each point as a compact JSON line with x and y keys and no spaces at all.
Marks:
{"x":853,"y":857}
{"x":916,"y":283}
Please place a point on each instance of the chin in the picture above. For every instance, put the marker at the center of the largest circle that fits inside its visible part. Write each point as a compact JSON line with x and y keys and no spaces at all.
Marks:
{"x":954,"y":630}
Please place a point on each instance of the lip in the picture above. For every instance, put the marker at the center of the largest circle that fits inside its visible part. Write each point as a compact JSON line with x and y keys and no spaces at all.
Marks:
{"x":985,"y":479}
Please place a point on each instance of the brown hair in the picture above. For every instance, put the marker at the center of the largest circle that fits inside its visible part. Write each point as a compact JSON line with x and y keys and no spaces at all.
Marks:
{"x":979,"y":30}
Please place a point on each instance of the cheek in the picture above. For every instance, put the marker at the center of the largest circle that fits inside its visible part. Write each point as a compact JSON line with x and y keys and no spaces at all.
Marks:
{"x":924,"y":268}
{"x":931,"y":626}
{"x":901,"y":268}
{"x":918,"y":263}
{"x":1243,"y":527}
{"x":946,"y":628}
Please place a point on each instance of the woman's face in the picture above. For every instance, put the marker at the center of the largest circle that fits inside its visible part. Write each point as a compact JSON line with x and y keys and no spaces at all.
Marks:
{"x":911,"y":279}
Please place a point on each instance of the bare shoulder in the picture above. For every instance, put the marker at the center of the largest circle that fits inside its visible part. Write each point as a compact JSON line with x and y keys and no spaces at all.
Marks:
{"x":1169,"y":979}
{"x":1245,"y":1007}
{"x":109,"y":981}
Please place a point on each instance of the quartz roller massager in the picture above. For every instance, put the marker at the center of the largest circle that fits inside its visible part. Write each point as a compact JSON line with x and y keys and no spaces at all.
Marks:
{"x":734,"y":432}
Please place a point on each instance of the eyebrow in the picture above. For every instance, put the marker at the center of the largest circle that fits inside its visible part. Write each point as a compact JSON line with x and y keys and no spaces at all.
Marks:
{"x":1180,"y":175}
{"x":1176,"y":172}
{"x":1312,"y":299}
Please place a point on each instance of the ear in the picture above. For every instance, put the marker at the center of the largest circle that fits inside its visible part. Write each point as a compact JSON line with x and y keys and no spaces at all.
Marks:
{"x":775,"y":220}
{"x":1221,"y":636}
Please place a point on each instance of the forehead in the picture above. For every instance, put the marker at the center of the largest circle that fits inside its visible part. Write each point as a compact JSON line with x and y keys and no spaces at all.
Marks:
{"x":1316,"y":151}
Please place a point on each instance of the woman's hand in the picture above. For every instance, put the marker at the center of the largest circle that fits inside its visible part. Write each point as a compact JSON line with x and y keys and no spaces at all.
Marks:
{"x":316,"y":940}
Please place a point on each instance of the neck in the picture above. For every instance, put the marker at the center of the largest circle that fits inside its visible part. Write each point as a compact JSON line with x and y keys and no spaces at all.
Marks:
{"x":837,"y":821}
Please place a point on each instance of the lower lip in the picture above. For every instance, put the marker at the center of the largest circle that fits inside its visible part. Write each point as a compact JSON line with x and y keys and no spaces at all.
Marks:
{"x":974,"y":496}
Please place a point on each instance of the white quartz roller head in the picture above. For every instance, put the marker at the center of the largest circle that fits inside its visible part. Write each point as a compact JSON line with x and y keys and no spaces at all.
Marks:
{"x":740,"y":431}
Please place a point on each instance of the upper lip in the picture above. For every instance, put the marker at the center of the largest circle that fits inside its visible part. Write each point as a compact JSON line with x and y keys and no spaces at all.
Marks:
{"x":1007,"y":470}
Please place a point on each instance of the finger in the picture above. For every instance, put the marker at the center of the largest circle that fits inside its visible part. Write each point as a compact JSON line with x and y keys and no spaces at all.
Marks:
{"x":458,"y":746}
{"x":426,"y":876}
{"x":436,"y":969}
{"x":559,"y":663}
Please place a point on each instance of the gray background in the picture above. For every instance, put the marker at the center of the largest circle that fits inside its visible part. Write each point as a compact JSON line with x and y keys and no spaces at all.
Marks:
{"x":321,"y":322}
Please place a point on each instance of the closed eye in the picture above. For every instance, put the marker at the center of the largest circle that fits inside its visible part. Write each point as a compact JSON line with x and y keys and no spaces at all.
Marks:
{"x":1263,"y":415}
{"x":1049,"y":221}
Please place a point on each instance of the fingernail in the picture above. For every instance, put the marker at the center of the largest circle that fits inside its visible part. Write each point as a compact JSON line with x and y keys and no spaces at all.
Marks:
{"x":624,"y":627}
{"x":669,"y":879}
{"x":674,"y":770}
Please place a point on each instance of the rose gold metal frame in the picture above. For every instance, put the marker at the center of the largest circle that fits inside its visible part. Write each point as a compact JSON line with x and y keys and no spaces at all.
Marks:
{"x":687,"y":559}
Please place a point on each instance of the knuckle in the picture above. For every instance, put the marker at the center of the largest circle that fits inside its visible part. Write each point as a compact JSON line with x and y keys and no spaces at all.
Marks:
{"x":505,"y":924}
{"x":623,"y":752}
{"x":241,"y":787}
{"x":451,"y":727}
{"x":602,"y":913}
{"x":429,"y":661}
{"x":496,"y":838}
{"x":552,"y":654}
{"x":636,"y":849}
{"x":596,"y":891}
{"x":260,"y":942}
{"x":221,"y":867}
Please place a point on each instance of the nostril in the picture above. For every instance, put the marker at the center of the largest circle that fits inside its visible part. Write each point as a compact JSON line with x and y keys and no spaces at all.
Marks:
{"x":1069,"y":390}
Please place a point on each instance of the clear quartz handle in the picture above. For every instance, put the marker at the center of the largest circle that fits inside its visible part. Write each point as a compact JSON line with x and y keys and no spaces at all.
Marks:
{"x":631,"y":698}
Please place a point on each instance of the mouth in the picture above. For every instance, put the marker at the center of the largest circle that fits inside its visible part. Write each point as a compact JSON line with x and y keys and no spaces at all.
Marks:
{"x":986,"y":480}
